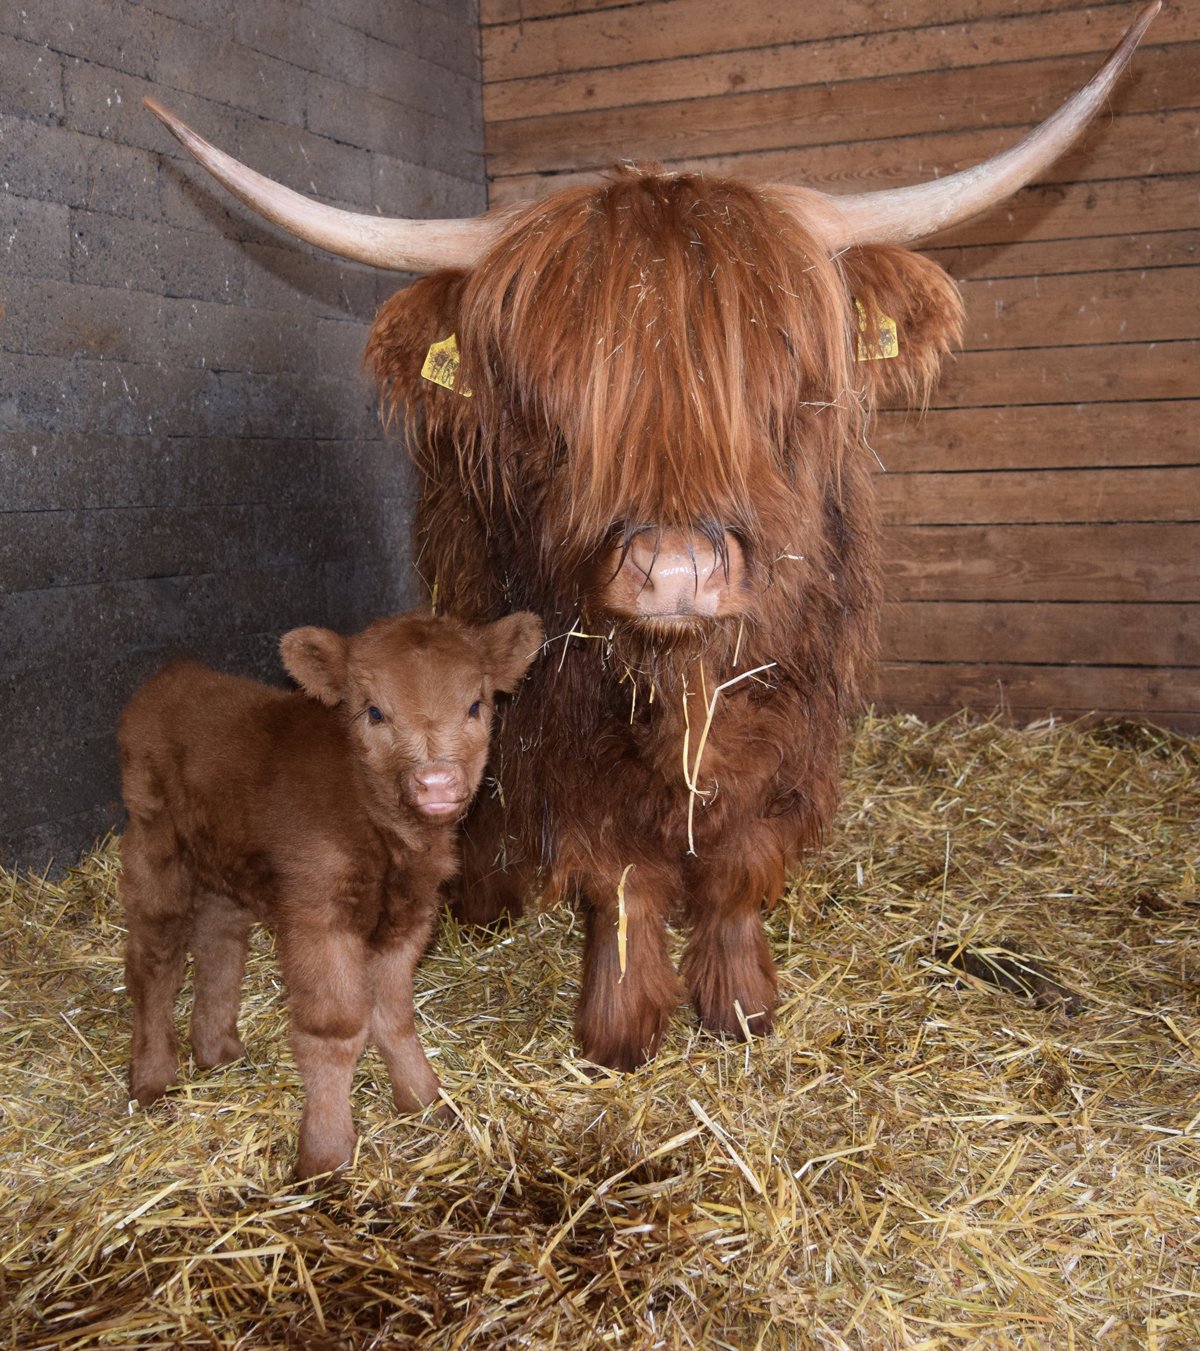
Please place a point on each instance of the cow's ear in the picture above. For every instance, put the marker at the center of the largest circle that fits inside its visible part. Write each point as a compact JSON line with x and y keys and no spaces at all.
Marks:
{"x":405,"y":329}
{"x":316,"y":661}
{"x":905,"y":315}
{"x":512,"y":643}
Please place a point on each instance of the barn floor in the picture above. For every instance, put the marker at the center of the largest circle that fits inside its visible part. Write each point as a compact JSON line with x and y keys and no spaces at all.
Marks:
{"x":920,"y":1158}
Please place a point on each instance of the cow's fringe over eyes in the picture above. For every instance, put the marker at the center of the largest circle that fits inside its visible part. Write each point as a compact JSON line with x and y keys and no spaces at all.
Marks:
{"x":669,"y":330}
{"x":662,"y":349}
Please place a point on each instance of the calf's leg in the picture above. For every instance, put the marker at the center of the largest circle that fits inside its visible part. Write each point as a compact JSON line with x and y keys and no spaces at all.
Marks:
{"x":330,"y":1007}
{"x":156,"y":893}
{"x":393,"y":1030}
{"x":622,"y":1014}
{"x":220,"y":936}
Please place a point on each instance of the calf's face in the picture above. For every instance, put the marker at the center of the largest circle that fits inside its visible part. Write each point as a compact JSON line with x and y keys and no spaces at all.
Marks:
{"x":417,"y":695}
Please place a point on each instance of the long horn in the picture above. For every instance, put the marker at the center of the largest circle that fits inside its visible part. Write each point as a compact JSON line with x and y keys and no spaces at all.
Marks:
{"x":402,"y":245}
{"x":902,"y":215}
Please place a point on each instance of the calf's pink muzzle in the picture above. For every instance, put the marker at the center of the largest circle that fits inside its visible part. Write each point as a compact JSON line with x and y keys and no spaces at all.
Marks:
{"x":437,"y":789}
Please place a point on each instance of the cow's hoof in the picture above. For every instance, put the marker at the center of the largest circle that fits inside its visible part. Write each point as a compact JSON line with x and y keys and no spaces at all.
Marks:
{"x":624,"y":1046}
{"x":484,"y":906}
{"x":732,"y":997}
{"x":723,"y":1020}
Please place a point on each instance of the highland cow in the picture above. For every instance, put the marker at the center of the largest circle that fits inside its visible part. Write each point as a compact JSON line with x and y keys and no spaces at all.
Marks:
{"x":328,"y":813}
{"x":640,"y":409}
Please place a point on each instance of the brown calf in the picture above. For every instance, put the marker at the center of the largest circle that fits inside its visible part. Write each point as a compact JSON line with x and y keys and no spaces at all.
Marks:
{"x":328,"y":813}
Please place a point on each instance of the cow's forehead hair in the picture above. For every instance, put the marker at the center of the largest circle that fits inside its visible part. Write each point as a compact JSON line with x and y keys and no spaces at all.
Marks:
{"x":667,"y":330}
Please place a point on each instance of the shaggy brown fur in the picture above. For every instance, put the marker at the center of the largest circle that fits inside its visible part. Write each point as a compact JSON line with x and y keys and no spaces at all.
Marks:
{"x":674,"y":355}
{"x":327,"y":813}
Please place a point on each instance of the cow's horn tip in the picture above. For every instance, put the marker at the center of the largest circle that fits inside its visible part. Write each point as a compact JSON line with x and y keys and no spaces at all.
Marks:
{"x":1146,"y":17}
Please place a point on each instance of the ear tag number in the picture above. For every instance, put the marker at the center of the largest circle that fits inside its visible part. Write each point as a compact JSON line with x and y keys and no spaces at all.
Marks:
{"x":441,"y":365}
{"x":887,"y":342}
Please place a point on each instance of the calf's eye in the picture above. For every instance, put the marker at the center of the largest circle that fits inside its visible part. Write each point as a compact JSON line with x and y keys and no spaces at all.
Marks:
{"x":374,"y":715}
{"x":473,"y":711}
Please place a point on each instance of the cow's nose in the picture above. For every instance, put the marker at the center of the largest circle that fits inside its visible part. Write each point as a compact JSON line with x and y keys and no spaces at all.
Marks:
{"x":677,"y":573}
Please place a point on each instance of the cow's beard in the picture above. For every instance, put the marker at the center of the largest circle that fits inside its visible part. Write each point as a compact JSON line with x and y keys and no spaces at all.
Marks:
{"x":666,"y":651}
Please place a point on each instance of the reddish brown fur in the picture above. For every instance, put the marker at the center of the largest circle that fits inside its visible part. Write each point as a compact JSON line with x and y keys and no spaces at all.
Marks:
{"x":304,"y":811}
{"x":673,"y":354}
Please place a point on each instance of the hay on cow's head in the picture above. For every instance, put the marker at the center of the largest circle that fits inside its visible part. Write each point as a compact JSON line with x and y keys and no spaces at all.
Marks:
{"x":918,"y":1158}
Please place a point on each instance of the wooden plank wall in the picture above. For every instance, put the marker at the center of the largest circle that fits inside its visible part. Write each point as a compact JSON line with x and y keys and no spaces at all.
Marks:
{"x":1043,"y":520}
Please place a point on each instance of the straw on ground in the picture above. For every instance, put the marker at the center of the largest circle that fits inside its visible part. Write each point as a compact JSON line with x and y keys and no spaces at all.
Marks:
{"x":918,"y":1157}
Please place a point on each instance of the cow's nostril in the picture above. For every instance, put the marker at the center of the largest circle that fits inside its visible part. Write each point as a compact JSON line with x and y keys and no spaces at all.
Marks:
{"x":643,"y":552}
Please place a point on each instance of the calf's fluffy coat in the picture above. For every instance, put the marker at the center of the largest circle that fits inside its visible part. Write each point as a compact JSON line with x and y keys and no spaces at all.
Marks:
{"x":328,"y":813}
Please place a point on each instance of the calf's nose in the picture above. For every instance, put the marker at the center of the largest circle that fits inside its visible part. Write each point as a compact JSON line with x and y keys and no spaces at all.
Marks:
{"x":437,"y":788}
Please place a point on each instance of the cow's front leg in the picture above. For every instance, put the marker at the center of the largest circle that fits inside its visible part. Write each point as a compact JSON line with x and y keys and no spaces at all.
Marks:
{"x":491,"y":885}
{"x":727,"y":964}
{"x":630,"y":988}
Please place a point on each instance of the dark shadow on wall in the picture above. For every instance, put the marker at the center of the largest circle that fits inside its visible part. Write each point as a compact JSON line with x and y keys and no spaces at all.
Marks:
{"x":191,"y":459}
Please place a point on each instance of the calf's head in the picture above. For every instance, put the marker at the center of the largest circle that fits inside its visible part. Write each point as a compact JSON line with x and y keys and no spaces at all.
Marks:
{"x":417,"y":694}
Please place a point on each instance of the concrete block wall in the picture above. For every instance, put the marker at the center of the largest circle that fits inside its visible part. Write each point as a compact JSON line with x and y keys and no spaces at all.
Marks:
{"x":190,"y":456}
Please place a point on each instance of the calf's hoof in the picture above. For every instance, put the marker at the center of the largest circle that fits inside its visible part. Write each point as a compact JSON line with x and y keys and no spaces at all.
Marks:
{"x":223,"y":1050}
{"x":148,"y":1081}
{"x":318,"y":1160}
{"x":415,"y":1091}
{"x":146,"y":1092}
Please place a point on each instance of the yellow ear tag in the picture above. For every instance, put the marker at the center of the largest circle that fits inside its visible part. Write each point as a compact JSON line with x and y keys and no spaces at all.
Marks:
{"x":441,"y":365}
{"x":886,"y":346}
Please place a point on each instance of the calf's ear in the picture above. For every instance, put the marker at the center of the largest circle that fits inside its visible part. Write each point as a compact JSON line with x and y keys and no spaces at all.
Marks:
{"x":316,"y":661}
{"x":512,"y":643}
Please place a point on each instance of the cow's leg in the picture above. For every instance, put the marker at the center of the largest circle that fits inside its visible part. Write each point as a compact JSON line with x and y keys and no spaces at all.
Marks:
{"x":414,"y":1084}
{"x":727,"y":964}
{"x":622,"y":1014}
{"x":491,"y":884}
{"x":330,"y":1011}
{"x":156,"y":892}
{"x":220,"y":936}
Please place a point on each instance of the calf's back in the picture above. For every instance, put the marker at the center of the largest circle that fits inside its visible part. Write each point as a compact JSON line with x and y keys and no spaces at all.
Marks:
{"x":237,"y":775}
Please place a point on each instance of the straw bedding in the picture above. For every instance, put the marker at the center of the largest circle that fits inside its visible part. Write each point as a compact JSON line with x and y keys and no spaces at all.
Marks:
{"x":979,"y":1124}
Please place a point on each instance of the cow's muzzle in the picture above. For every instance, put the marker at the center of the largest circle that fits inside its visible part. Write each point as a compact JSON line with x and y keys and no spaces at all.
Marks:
{"x":676,"y":574}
